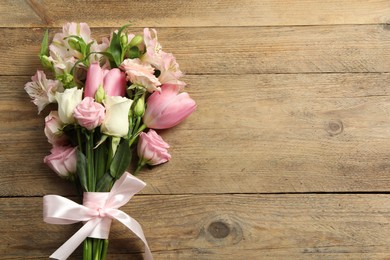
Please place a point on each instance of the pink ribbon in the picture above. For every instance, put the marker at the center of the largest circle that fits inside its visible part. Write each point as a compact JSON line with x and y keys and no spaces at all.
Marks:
{"x":97,"y":211}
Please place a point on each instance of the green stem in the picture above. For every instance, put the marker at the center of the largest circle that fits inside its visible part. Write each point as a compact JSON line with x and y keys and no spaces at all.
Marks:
{"x":87,"y":250}
{"x":139,"y":167}
{"x":97,"y":248}
{"x":79,"y":139}
{"x":134,"y":137}
{"x":90,"y":164}
{"x":105,"y":249}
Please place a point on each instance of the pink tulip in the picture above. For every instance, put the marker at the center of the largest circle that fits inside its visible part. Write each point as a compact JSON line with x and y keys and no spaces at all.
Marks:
{"x":94,"y":80}
{"x":168,"y":108}
{"x":152,"y":149}
{"x":89,"y":113}
{"x":62,"y":160}
{"x":113,"y":81}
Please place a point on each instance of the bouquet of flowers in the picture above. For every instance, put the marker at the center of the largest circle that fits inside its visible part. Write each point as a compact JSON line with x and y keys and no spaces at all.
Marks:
{"x":110,"y":95}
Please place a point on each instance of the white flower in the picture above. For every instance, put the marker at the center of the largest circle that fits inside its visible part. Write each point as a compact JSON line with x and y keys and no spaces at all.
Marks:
{"x":67,"y":102}
{"x":116,"y":121}
{"x":42,"y":90}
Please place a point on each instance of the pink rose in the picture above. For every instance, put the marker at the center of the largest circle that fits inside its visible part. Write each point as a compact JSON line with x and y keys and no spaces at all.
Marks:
{"x":168,"y":108}
{"x":62,"y":160}
{"x":89,"y":114}
{"x":152,"y":149}
{"x":53,"y":129}
{"x":113,"y":81}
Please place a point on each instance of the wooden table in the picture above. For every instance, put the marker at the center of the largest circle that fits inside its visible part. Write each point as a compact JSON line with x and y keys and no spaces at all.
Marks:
{"x":286,"y":157}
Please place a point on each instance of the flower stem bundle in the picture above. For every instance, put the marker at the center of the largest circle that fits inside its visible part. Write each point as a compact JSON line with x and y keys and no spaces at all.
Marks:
{"x":111,"y":96}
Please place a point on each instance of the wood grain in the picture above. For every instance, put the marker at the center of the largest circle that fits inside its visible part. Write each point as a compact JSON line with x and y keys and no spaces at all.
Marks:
{"x":199,"y":13}
{"x":220,"y":227}
{"x":250,"y":50}
{"x":286,"y":157}
{"x":273,"y":133}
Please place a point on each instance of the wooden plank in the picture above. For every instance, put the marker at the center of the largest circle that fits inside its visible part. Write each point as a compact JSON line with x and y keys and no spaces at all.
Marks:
{"x":237,"y":50}
{"x":220,"y":227}
{"x":252,"y":134}
{"x":202,"y":13}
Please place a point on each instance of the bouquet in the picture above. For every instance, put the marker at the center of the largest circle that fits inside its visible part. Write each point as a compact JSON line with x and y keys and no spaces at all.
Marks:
{"x":111,"y":97}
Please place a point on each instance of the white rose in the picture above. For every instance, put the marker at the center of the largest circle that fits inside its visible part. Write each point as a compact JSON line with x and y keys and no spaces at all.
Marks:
{"x":67,"y":102}
{"x":116,"y":121}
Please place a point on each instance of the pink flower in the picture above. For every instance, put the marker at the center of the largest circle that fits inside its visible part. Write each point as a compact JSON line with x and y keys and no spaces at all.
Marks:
{"x":152,"y":149}
{"x":94,"y":80}
{"x":62,"y":160}
{"x":141,"y":74}
{"x":41,"y":90}
{"x":153,"y":48}
{"x":89,"y":114}
{"x":53,"y":129}
{"x":170,"y":72}
{"x":113,"y":81}
{"x":61,"y":54}
{"x":168,"y":108}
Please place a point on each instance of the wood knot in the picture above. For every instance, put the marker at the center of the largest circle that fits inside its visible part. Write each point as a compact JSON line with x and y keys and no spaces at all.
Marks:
{"x":334,"y":127}
{"x":218,"y":229}
{"x":221,"y":230}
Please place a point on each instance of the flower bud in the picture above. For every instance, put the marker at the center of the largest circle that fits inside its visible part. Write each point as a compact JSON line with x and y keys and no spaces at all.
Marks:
{"x":46,"y":62}
{"x":124,"y":40}
{"x":139,"y":108}
{"x":137,"y":40}
{"x":100,"y":94}
{"x":66,"y":79}
{"x":74,"y":44}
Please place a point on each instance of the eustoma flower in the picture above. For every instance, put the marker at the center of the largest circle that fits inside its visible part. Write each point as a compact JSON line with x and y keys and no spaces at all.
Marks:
{"x":62,"y":160}
{"x":53,"y":127}
{"x":67,"y":102}
{"x":168,"y":108}
{"x":116,"y":122}
{"x":89,"y":114}
{"x":152,"y":149}
{"x":141,"y":74}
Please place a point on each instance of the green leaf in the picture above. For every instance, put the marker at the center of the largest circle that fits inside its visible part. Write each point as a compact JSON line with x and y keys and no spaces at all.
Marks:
{"x":121,"y":160}
{"x":82,"y":169}
{"x":104,"y":183}
{"x":116,"y":48}
{"x":45,"y":44}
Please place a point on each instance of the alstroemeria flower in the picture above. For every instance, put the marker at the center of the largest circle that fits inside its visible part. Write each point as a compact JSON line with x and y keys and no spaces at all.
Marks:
{"x":116,"y":122}
{"x":170,"y":72}
{"x":153,"y":48}
{"x":67,"y":102}
{"x":41,"y":90}
{"x":140,"y":73}
{"x":61,"y":54}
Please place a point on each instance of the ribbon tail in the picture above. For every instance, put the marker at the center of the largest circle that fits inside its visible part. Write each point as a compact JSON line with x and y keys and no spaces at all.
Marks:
{"x":134,"y":226}
{"x":64,"y":251}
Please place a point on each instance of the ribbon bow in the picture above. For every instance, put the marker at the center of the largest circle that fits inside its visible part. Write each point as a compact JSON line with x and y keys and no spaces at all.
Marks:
{"x":97,"y":211}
